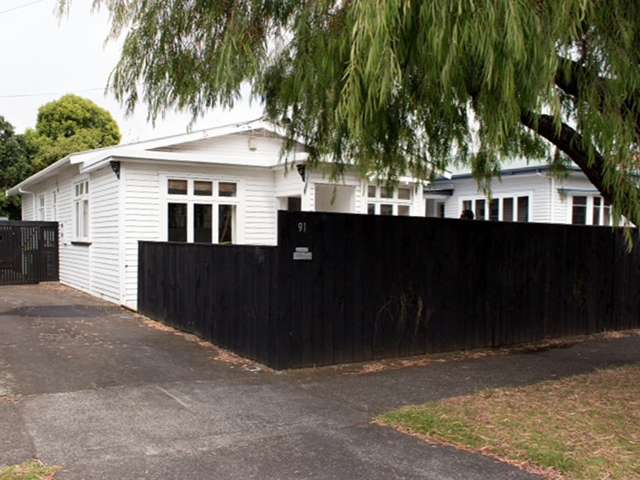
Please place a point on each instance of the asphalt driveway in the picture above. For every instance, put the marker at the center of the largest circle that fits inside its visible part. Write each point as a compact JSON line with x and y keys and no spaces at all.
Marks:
{"x":92,"y":387}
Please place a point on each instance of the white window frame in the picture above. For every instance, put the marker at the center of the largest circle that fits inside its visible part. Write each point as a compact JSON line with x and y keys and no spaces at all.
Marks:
{"x":394,"y":201}
{"x":589,"y":209}
{"x":190,"y":199}
{"x":500,"y":197}
{"x":42,"y":207}
{"x":82,"y":210}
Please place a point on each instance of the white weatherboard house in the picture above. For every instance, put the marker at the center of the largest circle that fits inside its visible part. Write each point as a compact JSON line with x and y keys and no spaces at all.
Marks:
{"x":226,"y":184}
{"x":525,"y":192}
{"x":221,"y":185}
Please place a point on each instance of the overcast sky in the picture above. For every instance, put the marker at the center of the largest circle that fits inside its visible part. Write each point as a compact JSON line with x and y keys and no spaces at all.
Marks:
{"x":43,"y":57}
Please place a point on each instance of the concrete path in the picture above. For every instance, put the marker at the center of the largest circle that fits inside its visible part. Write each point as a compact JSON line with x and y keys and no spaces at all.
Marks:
{"x":91,"y":387}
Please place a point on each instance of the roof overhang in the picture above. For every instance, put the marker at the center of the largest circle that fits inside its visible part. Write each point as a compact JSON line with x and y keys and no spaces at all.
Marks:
{"x":39,"y":176}
{"x":189,"y":158}
{"x":144,"y":151}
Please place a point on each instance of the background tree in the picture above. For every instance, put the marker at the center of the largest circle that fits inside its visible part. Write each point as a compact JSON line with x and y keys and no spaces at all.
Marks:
{"x":406,"y":86}
{"x":15,"y":166}
{"x":70,"y":124}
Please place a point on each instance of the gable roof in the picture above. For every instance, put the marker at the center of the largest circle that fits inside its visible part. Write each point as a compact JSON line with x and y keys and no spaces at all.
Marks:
{"x":148,"y":150}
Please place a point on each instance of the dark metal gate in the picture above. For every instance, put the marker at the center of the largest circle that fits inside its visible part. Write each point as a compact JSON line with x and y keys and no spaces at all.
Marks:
{"x":28,"y":252}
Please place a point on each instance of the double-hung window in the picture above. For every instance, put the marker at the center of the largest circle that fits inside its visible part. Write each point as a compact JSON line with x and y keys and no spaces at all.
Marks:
{"x":201,"y":210}
{"x":81,"y":218}
{"x":389,"y":201}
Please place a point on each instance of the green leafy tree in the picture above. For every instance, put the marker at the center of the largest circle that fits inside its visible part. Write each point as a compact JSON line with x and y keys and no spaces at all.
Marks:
{"x":68,"y":125}
{"x":406,"y":86}
{"x":15,"y":166}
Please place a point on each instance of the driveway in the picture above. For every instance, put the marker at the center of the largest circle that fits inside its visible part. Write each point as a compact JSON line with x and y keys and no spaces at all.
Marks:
{"x":96,"y":389}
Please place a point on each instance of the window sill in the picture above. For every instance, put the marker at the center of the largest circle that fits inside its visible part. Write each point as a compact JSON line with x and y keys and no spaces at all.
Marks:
{"x":82,"y":243}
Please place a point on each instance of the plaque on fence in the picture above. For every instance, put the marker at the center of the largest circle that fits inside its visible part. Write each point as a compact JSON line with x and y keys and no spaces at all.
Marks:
{"x":302,"y":253}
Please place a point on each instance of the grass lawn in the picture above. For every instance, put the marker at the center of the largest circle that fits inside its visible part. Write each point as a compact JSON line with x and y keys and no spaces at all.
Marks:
{"x":584,"y":428}
{"x":32,"y":470}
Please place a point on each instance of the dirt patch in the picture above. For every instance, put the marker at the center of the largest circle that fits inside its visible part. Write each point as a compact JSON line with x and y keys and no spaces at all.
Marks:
{"x":378,"y":366}
{"x":585,"y":427}
{"x":218,"y":354}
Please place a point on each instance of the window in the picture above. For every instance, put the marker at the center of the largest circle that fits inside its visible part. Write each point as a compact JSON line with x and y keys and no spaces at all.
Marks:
{"x":494,"y":209}
{"x":294,"y":204}
{"x":202,"y":223}
{"x":177,"y":187}
{"x":579,"y":210}
{"x":507,"y":209}
{"x":227,"y":189}
{"x":404,"y":193}
{"x":204,"y":210}
{"x":441,"y":210}
{"x":480,"y":210}
{"x":386,"y":209}
{"x":504,"y":209}
{"x":81,"y":211}
{"x":41,"y":208}
{"x":523,"y":209}
{"x":606,"y":213}
{"x":386,"y":192}
{"x":597,"y":210}
{"x":203,"y":189}
{"x":388,"y":200}
{"x":177,"y":222}
{"x":226,"y":220}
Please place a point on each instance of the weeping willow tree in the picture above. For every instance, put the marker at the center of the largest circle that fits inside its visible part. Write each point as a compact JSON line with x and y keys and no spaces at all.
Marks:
{"x":405,"y":86}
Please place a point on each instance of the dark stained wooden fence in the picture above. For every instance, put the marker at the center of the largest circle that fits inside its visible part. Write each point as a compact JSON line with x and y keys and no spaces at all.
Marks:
{"x":378,"y":287}
{"x":219,"y":292}
{"x":28,"y":252}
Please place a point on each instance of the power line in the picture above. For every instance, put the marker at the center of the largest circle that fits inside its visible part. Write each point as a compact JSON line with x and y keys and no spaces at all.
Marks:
{"x":47,"y":94}
{"x":21,"y":6}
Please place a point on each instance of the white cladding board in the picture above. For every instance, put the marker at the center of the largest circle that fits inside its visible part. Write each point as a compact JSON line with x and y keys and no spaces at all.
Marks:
{"x":538,"y":187}
{"x":105,"y":236}
{"x":144,"y":201}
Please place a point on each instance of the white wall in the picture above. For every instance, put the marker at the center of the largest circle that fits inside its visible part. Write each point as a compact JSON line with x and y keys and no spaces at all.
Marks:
{"x":537,"y":187}
{"x":105,"y":234}
{"x":144,"y":208}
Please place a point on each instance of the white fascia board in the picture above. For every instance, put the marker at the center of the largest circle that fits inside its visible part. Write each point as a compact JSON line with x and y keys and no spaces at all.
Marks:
{"x":93,"y":157}
{"x":41,"y":175}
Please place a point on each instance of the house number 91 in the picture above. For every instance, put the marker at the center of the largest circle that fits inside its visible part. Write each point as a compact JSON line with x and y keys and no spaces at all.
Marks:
{"x":302,"y":227}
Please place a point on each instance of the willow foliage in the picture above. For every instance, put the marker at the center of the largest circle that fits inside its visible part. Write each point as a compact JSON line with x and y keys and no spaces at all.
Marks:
{"x":411,"y":86}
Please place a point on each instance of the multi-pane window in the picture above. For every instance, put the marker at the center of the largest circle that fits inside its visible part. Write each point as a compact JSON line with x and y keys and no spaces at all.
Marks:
{"x":590,"y":210}
{"x":81,"y":211}
{"x":201,"y":211}
{"x":579,"y":210}
{"x":500,"y":208}
{"x":388,"y":200}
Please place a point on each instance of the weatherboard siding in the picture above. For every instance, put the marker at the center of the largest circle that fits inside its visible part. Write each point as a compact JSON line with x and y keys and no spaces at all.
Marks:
{"x":537,"y":187}
{"x":144,"y":207}
{"x":105,"y":234}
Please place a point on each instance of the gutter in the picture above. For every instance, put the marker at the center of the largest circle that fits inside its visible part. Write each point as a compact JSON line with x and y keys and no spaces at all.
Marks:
{"x":42,"y":174}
